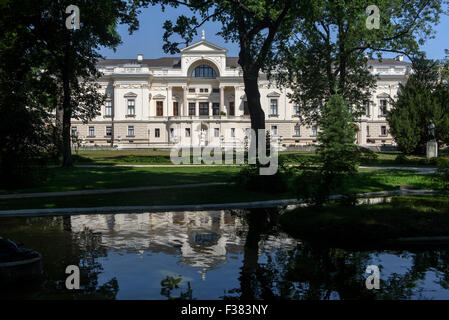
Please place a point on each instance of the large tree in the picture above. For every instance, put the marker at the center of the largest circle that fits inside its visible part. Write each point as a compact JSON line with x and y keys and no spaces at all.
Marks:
{"x":331,"y":49}
{"x":73,"y":54}
{"x":27,"y":95}
{"x":258,"y":26}
{"x":422,"y":100}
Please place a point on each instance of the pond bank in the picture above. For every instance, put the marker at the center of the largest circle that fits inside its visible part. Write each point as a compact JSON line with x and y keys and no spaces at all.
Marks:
{"x":407,"y":220}
{"x":197,"y":207}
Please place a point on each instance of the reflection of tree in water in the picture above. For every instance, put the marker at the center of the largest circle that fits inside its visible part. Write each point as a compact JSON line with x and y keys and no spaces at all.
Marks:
{"x":60,"y":247}
{"x":315,"y":272}
{"x":171,"y":285}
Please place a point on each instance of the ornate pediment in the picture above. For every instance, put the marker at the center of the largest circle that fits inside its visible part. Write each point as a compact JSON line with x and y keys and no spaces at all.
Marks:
{"x":130,"y":95}
{"x":273,"y":94}
{"x":203,"y":46}
{"x":383,"y":95}
{"x":158,"y":97}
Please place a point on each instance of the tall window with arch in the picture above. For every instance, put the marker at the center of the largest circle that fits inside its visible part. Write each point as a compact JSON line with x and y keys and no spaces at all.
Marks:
{"x":204,"y":71}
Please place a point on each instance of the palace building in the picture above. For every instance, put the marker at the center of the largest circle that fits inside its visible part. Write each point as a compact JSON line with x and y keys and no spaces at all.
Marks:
{"x":198,"y":99}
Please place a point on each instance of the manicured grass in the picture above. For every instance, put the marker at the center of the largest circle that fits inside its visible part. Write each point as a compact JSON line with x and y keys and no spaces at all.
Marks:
{"x":155,"y":156}
{"x":200,"y":195}
{"x":369,"y":180}
{"x":121,"y":177}
{"x":122,"y":157}
{"x":370,"y":224}
{"x":95,"y":178}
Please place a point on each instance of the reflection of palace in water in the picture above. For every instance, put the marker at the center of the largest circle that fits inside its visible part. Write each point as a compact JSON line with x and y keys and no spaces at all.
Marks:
{"x":201,"y":239}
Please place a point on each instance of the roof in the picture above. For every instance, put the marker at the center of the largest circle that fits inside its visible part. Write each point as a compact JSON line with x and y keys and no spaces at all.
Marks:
{"x":169,"y":62}
{"x":389,"y":62}
{"x":231,"y":62}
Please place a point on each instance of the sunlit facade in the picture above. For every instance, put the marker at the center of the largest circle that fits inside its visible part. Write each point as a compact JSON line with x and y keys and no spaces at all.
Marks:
{"x":198,"y":99}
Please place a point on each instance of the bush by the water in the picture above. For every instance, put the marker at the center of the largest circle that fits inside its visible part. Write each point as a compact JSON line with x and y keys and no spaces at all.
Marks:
{"x":310,"y":186}
{"x":249,"y":178}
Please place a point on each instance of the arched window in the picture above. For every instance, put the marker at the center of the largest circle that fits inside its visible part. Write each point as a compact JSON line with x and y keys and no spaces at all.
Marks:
{"x":204,"y":71}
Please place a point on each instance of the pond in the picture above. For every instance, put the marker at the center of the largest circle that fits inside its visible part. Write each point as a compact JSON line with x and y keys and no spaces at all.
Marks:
{"x":211,"y":255}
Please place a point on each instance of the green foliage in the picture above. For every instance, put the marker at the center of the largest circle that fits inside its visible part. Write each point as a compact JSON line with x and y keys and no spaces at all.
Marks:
{"x":330,"y":44}
{"x":46,"y":67}
{"x":421,"y":100}
{"x":249,"y":178}
{"x":443,"y":172}
{"x":310,"y":186}
{"x":336,"y":149}
{"x":337,"y":154}
{"x":367,"y":156}
{"x":401,"y":159}
{"x":170,"y":284}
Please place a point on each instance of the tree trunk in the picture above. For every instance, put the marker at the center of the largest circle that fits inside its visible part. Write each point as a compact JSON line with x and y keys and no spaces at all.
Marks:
{"x":66,"y":143}
{"x":67,"y":113}
{"x":256,"y":112}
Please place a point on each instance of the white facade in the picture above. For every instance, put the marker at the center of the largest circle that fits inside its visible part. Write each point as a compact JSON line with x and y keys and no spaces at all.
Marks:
{"x":159,"y":103}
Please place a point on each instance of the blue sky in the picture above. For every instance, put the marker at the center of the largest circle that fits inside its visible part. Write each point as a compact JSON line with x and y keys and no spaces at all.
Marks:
{"x":148,"y":39}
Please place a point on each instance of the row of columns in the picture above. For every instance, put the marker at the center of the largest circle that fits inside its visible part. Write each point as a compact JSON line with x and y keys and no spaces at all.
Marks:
{"x":184,"y":111}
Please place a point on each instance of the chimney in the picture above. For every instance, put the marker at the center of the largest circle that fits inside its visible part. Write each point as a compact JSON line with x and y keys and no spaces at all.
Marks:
{"x":399,"y":57}
{"x":140,"y":57}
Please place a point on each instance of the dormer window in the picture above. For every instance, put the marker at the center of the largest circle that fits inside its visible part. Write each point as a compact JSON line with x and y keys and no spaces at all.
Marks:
{"x":204,"y":71}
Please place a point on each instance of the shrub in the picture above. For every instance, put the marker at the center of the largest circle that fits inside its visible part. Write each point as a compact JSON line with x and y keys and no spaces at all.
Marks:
{"x":401,"y":159}
{"x":367,"y":155}
{"x":249,"y":178}
{"x":310,"y":186}
{"x":443,"y":172}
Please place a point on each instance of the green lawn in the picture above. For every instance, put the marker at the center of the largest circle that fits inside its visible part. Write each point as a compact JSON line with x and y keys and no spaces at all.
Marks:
{"x":121,"y":177}
{"x":370,"y":225}
{"x":124,"y":157}
{"x":200,"y":195}
{"x":95,"y":178}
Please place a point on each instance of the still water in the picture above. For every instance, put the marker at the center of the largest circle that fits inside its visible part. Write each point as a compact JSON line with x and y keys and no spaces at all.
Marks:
{"x":211,"y":255}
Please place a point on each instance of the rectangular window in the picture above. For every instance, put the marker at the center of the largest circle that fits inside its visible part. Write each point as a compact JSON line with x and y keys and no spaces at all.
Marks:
{"x":216,"y":132}
{"x":248,"y":132}
{"x":296,"y":109}
{"x":191,"y":108}
{"x":130,"y":131}
{"x":383,"y":107}
{"x":91,"y":131}
{"x":157,"y":133}
{"x":187,"y":132}
{"x":383,"y":130}
{"x":109,"y":131}
{"x":108,"y":109}
{"x":159,"y":108}
{"x":297,"y":131}
{"x":231,"y":108}
{"x":367,"y":111}
{"x":215,"y":90}
{"x":204,"y":90}
{"x":232,"y":132}
{"x":367,"y":131}
{"x":314,"y":131}
{"x":274,"y":130}
{"x":74,"y":132}
{"x":131,"y":107}
{"x":192,"y":90}
{"x":175,"y":109}
{"x":245,"y":108}
{"x":215,"y":109}
{"x":274,"y":107}
{"x":204,"y":108}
